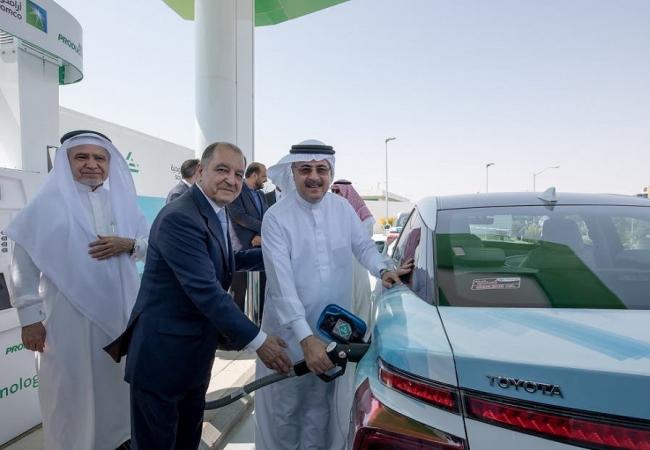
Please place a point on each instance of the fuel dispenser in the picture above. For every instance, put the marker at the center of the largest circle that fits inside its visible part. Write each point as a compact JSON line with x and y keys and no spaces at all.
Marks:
{"x":19,"y":408}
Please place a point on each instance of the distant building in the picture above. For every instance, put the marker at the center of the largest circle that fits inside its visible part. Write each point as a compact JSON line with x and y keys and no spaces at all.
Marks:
{"x":376,"y":202}
{"x":644,"y":193}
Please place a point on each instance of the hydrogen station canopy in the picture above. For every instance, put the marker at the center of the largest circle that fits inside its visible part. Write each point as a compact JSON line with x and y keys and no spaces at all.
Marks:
{"x":46,"y":30}
{"x":224,"y":66}
{"x":267,"y":12}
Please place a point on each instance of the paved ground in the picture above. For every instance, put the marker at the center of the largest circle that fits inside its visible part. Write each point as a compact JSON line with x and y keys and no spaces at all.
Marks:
{"x":243,"y":436}
{"x":230,"y":370}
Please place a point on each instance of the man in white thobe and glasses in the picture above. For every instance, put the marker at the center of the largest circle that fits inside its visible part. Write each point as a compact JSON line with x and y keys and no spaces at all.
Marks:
{"x":74,"y":283}
{"x":308,"y":240}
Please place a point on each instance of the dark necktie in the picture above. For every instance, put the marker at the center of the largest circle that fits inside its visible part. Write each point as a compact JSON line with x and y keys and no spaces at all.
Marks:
{"x":257,"y":201}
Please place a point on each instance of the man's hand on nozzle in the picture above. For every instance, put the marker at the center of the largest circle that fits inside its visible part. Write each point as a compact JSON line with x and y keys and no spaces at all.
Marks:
{"x":273,"y":355}
{"x":33,"y":337}
{"x":315,"y":352}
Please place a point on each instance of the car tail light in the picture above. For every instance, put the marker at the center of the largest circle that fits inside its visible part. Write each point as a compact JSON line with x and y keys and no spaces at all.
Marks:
{"x":377,"y":427}
{"x":437,"y":395}
{"x":572,"y":429}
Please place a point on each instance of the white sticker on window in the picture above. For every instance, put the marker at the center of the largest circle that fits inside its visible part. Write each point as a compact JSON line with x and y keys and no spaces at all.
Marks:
{"x":486,"y":284}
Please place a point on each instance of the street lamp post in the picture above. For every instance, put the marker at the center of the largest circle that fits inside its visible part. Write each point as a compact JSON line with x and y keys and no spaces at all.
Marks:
{"x":386,"y":141}
{"x":487,"y":166}
{"x":543,"y":170}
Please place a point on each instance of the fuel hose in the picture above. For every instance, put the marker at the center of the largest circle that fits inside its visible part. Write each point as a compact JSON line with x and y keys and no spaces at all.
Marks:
{"x":339,"y":354}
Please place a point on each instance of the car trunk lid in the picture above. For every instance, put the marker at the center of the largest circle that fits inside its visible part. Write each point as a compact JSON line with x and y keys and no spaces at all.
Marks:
{"x":591,"y":360}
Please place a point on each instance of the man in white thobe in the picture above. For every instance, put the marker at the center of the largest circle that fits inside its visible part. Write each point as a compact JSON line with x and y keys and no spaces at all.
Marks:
{"x":360,"y":280}
{"x":308,"y":240}
{"x":74,"y":282}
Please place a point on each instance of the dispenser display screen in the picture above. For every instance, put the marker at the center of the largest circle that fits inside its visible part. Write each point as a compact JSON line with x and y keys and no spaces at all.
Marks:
{"x":4,"y":293}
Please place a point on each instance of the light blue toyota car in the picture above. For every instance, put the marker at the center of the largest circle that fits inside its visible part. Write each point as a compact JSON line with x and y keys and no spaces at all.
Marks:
{"x":524,"y":325}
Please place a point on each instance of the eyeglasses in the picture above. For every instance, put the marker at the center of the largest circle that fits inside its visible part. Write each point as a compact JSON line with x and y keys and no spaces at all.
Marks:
{"x":336,"y":190}
{"x":307,"y":170}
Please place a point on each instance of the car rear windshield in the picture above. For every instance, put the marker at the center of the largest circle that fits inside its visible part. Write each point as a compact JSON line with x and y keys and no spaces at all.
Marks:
{"x":533,"y":256}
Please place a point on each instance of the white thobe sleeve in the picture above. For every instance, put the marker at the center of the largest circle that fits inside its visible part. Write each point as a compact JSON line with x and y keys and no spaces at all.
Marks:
{"x":280,"y":280}
{"x":141,"y":245}
{"x":141,"y":241}
{"x":364,"y":248}
{"x":25,"y":279}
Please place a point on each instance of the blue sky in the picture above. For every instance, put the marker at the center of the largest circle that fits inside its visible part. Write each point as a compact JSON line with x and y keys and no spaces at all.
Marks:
{"x":522,"y":84}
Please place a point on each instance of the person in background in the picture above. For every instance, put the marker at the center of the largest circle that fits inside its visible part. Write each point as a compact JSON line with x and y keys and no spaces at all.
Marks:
{"x":308,"y":242}
{"x":188,"y":177}
{"x":246,"y":212}
{"x":360,"y":281}
{"x":273,"y":196}
{"x":74,"y":283}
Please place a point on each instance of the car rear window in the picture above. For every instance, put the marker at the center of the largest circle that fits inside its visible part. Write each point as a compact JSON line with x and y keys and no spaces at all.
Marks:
{"x":534,"y":256}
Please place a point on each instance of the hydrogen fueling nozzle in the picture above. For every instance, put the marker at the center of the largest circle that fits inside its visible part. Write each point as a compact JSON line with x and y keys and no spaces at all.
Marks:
{"x":344,"y":329}
{"x":339,"y":354}
{"x":340,"y":325}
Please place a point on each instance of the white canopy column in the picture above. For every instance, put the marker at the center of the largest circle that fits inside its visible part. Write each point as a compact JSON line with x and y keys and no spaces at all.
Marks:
{"x":224,"y":73}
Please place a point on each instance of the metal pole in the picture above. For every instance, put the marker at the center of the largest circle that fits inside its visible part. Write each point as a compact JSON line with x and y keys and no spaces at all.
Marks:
{"x":253,"y":290}
{"x":386,"y":193}
{"x":487,"y":166}
{"x":541,"y":171}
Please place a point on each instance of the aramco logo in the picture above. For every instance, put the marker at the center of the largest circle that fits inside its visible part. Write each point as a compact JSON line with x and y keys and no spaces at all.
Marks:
{"x":36,"y":16}
{"x":12,"y":7}
{"x":133,"y":166}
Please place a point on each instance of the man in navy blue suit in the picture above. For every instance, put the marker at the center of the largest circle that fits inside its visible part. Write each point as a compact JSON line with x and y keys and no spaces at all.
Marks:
{"x":247,"y":212}
{"x":183,"y":312}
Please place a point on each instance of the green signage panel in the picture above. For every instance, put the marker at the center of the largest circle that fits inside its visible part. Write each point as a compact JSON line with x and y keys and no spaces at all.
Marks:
{"x":267,"y":12}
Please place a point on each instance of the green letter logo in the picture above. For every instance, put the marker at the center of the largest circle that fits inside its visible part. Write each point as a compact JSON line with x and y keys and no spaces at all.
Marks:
{"x":133,"y":166}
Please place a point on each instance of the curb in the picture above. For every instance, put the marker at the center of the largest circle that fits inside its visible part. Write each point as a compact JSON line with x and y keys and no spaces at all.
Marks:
{"x":218,"y":424}
{"x":26,"y":440}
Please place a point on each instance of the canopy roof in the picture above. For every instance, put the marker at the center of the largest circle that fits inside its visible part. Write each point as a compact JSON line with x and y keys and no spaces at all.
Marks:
{"x":267,"y":12}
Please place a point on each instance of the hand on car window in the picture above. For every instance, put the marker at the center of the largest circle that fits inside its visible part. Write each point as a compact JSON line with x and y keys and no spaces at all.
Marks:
{"x":406,"y":267}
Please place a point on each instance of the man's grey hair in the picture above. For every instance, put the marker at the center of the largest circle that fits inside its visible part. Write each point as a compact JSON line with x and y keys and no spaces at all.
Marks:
{"x":208,"y":153}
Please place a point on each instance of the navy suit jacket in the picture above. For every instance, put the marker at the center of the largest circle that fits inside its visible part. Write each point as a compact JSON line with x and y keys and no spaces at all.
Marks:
{"x":177,"y":191}
{"x":183,"y":312}
{"x":271,"y":198}
{"x":246,"y":218}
